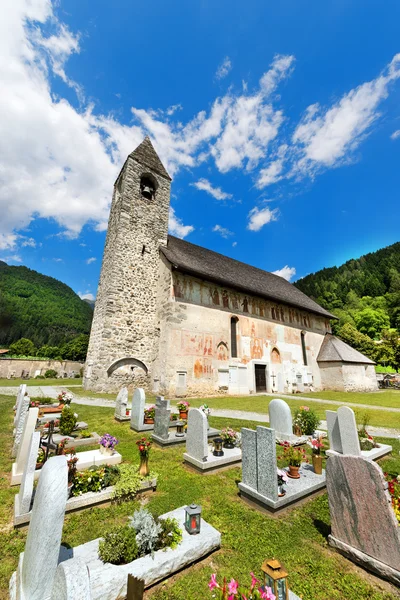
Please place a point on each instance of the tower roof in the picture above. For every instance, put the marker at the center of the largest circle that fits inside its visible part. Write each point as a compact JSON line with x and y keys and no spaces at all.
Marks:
{"x":335,"y":350}
{"x":146,"y":155}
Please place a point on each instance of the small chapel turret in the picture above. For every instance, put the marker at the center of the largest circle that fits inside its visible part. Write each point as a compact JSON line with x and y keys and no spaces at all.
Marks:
{"x":125,"y":330}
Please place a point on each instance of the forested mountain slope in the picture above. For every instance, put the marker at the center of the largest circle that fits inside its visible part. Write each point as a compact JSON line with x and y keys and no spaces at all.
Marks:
{"x":40,"y":308}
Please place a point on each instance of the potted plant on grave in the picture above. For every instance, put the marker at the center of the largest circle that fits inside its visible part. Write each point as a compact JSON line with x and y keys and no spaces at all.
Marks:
{"x":108,"y":443}
{"x":366,"y":440}
{"x":40,"y":459}
{"x":71,"y":462}
{"x":316,"y":445}
{"x":230,"y":437}
{"x":294,"y":457}
{"x":282,"y":479}
{"x":144,"y":445}
{"x":149,"y":414}
{"x":183,"y":408}
{"x":305,"y":420}
{"x":232,"y":591}
{"x":64,"y":398}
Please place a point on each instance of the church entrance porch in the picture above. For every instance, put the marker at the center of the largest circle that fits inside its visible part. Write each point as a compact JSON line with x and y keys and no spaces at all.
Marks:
{"x":260,"y":372}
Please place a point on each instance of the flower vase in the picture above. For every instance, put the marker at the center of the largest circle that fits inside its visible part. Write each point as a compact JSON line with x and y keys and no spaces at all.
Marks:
{"x":106,"y":451}
{"x":281,"y":490}
{"x":229,"y":445}
{"x":297,"y":430}
{"x":148,"y":421}
{"x":294,"y":472}
{"x":317,"y":463}
{"x":183,"y":415}
{"x":144,"y":466}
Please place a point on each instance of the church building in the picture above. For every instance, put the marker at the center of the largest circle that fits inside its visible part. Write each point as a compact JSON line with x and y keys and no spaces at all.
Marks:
{"x":181,"y":320}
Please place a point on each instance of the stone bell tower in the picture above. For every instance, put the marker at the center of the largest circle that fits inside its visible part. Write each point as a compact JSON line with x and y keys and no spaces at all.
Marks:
{"x":125,"y":333}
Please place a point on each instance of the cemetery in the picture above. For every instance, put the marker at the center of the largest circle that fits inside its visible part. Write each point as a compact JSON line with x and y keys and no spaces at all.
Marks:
{"x":268,"y":485}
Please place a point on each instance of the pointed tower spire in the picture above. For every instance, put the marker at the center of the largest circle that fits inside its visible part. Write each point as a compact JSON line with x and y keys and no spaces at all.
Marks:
{"x":147,"y":156}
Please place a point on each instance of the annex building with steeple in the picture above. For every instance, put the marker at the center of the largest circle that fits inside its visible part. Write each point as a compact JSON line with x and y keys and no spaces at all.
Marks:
{"x":182,"y":320}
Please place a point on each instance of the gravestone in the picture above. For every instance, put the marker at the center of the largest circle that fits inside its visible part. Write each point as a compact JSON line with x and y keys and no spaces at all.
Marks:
{"x":348,"y":431}
{"x":160,"y":401}
{"x":249,"y":457}
{"x":196,"y":437}
{"x":71,"y":581}
{"x":280,"y":418}
{"x":20,"y":395}
{"x":121,"y":403}
{"x":20,"y":424}
{"x":364,"y":526}
{"x":29,"y":428}
{"x":259,"y":461}
{"x":37,"y":566}
{"x":137,"y":412}
{"x":162,"y":419}
{"x":26,"y":489}
{"x":332,"y":422}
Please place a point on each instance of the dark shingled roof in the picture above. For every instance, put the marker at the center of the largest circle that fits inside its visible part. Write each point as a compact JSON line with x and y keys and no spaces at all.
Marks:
{"x":206,"y":264}
{"x":335,"y":350}
{"x":146,"y":155}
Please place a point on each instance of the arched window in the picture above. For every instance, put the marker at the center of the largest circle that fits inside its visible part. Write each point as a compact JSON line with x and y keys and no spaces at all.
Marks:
{"x":148,"y":186}
{"x":303,"y":346}
{"x":234,"y":322}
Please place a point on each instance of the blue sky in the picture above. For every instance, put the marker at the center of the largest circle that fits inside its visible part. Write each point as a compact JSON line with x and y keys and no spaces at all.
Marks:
{"x":279,"y":123}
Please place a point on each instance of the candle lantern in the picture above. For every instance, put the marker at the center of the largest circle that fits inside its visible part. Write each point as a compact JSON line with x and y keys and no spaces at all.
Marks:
{"x":192,"y":518}
{"x":218,"y":446}
{"x":179,"y":429}
{"x":275,"y":577}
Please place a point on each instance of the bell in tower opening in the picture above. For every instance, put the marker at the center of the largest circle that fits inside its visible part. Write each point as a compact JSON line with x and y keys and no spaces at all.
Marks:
{"x":148,"y":187}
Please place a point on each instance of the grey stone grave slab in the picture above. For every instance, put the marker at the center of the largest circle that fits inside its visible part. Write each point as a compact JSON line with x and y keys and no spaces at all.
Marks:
{"x":249,"y":457}
{"x":20,"y":424}
{"x":232,"y":458}
{"x":348,"y":431}
{"x":332,"y":423}
{"x":162,"y":420}
{"x":196,"y":440}
{"x":364,"y":526}
{"x":37,"y":565}
{"x":22,"y":456}
{"x":20,"y":395}
{"x":174,"y":439}
{"x":26,"y":489}
{"x":267,"y":482}
{"x":121,"y":405}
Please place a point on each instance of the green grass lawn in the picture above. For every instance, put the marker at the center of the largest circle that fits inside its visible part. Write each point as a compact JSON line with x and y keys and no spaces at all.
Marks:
{"x":386,"y":398}
{"x":298,"y":539}
{"x":39,"y":382}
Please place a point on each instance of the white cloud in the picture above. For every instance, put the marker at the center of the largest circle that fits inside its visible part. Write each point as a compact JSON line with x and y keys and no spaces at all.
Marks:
{"x":27,"y":241}
{"x":90,"y":260}
{"x":223,"y":231}
{"x":86,"y":295}
{"x":224,"y":68}
{"x":286,"y":272}
{"x":12,"y":258}
{"x":326,"y":137}
{"x":176,"y":227}
{"x":258,"y":217}
{"x":281,"y":68}
{"x":58,"y":260}
{"x":234,"y":244}
{"x":271,"y":174}
{"x":216,"y":192}
{"x":395,"y":134}
{"x":8,"y":241}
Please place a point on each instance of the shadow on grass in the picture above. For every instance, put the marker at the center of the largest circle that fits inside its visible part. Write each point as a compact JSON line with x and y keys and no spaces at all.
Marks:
{"x":323,"y":528}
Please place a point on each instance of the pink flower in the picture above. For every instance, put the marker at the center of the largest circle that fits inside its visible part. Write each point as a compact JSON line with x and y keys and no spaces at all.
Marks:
{"x":233,"y":587}
{"x":213,"y":582}
{"x":266,"y":594}
{"x":254,"y":581}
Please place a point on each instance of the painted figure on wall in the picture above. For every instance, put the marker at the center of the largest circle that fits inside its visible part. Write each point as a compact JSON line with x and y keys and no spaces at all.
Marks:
{"x":178,"y":293}
{"x":225,"y":299}
{"x":198,"y":369}
{"x":275,"y":356}
{"x":208,"y":346}
{"x":222,"y":351}
{"x":245,"y":305}
{"x":192,"y":343}
{"x":257,"y":348}
{"x":235,"y":301}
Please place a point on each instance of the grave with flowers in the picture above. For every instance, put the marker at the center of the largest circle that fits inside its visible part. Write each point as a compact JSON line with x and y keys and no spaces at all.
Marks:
{"x":94,"y":485}
{"x":272,"y":588}
{"x":164,"y":436}
{"x":268,"y":488}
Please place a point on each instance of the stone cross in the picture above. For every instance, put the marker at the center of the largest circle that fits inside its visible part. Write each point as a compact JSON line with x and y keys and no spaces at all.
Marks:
{"x":259,"y":461}
{"x":364,"y":526}
{"x":26,"y":489}
{"x":20,"y":396}
{"x":71,"y":581}
{"x":20,"y":424}
{"x":137,"y":412}
{"x":196,"y":438}
{"x":37,"y":566}
{"x":162,"y":419}
{"x":29,"y":428}
{"x":280,"y":418}
{"x":342,"y":431}
{"x":160,"y":401}
{"x":121,"y":403}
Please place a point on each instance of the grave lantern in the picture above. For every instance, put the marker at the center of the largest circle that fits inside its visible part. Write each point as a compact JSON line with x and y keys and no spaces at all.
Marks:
{"x":217,"y":442}
{"x":192,"y":518}
{"x":275,"y":577}
{"x":180,"y":429}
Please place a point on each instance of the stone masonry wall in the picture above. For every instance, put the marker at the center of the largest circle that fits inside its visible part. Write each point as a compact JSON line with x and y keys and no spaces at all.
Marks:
{"x":37,"y":367}
{"x":125,"y":318}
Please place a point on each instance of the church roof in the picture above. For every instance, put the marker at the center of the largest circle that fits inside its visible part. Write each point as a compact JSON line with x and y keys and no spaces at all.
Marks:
{"x":147,"y":156}
{"x":206,"y":264}
{"x":335,"y":350}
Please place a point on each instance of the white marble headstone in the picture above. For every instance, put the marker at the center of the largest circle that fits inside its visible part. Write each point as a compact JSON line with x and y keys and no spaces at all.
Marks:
{"x":137,"y":412}
{"x":196,"y":437}
{"x":348,"y":431}
{"x":20,"y":396}
{"x":280,"y":417}
{"x":26,"y":489}
{"x":20,"y":424}
{"x":71,"y":581}
{"x":121,"y":403}
{"x":29,"y":428}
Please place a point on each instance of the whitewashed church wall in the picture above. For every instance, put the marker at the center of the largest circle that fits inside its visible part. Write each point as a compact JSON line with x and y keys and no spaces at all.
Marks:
{"x":332,"y":376}
{"x":359,"y":378}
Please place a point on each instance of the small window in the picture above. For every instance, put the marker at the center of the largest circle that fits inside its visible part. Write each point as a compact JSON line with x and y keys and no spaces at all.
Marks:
{"x":148,"y":186}
{"x":234,"y":322}
{"x":303,"y":347}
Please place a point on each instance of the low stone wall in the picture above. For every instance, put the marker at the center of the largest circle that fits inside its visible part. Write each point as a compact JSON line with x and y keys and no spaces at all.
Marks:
{"x":16,"y":366}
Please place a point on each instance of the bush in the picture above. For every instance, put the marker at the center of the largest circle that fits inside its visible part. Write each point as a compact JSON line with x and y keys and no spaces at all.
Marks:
{"x":40,"y":377}
{"x":111,"y":475}
{"x":307,"y":419}
{"x":23,"y":347}
{"x":128,"y":483}
{"x":67,"y":421}
{"x":147,"y":531}
{"x":170,"y":535}
{"x":119,"y":546}
{"x":50,"y":374}
{"x":88,"y":481}
{"x":85,"y":434}
{"x":44,"y":400}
